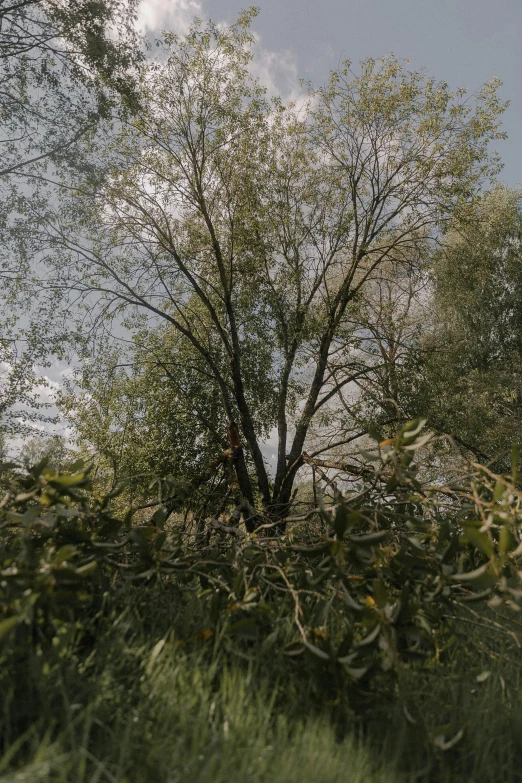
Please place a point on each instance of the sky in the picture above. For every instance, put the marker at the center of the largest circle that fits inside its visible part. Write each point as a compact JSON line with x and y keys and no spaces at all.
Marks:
{"x":462,"y":42}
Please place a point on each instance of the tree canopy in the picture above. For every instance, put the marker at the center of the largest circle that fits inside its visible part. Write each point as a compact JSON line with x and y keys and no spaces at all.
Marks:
{"x":254,"y":228}
{"x":64,"y":67}
{"x":468,"y":379}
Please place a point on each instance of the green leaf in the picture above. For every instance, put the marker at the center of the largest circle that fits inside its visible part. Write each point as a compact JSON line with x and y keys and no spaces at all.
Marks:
{"x":293,"y":649}
{"x":370,"y":456}
{"x":375,"y":433}
{"x":442,"y":744}
{"x":483,"y":578}
{"x":470,"y":576}
{"x":500,"y":488}
{"x":479,"y":539}
{"x":356,"y":674}
{"x":325,"y":516}
{"x":142,"y":536}
{"x":348,"y":659}
{"x":160,"y":517}
{"x":87,"y":569}
{"x":414,"y":426}
{"x":369,"y":539}
{"x":371,"y":637}
{"x":65,"y":553}
{"x":7,"y":625}
{"x":320,"y":612}
{"x":379,"y":593}
{"x":76,"y":466}
{"x":64,"y":480}
{"x":410,"y":431}
{"x":316,"y":651}
{"x":419,"y":442}
{"x":507,"y":541}
{"x":114,"y":493}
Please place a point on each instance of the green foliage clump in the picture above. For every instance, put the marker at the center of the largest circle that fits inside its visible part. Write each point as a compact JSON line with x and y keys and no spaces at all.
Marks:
{"x":464,"y":374}
{"x":349,"y":594}
{"x":348,"y":611}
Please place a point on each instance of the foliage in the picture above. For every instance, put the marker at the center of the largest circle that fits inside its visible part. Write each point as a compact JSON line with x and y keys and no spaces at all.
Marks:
{"x":355,"y":591}
{"x":138,"y":710}
{"x":467,"y":380}
{"x":359,"y":611}
{"x":53,"y":539}
{"x":148,"y":411}
{"x":20,"y":399}
{"x":61,"y":65}
{"x":250,"y":228}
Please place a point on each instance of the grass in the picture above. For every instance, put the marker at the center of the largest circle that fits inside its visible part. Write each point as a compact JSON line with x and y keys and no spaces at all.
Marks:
{"x":137,"y":707}
{"x":173,"y":718}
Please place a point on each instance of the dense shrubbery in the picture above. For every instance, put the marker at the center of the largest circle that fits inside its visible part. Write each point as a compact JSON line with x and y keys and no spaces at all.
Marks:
{"x":346,"y":598}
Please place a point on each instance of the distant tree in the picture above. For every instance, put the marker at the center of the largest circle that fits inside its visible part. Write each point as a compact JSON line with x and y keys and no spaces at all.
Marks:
{"x":65,"y":67}
{"x":468,"y":377}
{"x":52,"y":448}
{"x":148,"y":411}
{"x":60,"y":63}
{"x":21,"y":383}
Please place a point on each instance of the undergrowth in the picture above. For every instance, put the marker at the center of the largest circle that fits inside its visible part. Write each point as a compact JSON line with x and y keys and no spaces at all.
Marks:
{"x":139,"y":712}
{"x":141,"y":707}
{"x":377,"y":639}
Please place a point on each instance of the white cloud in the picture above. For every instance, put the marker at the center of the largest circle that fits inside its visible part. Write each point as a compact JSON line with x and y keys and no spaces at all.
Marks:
{"x":277,"y":71}
{"x":175,"y":15}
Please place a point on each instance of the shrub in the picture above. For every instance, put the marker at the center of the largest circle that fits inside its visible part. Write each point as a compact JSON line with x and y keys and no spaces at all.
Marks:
{"x":345,"y":596}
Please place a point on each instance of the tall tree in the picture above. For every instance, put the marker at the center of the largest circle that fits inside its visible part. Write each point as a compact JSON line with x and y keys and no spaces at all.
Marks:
{"x":59,"y":63}
{"x":65,"y":65}
{"x":251,"y":228}
{"x":467,"y":378}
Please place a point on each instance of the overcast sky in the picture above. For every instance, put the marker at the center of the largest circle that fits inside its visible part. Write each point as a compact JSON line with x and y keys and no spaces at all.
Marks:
{"x":463,"y":42}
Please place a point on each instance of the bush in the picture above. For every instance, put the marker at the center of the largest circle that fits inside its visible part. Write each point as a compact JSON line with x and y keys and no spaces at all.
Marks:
{"x":342,"y":601}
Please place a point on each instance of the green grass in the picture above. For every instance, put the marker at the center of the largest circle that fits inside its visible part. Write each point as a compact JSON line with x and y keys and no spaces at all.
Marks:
{"x":130,"y":710}
{"x":182,"y":720}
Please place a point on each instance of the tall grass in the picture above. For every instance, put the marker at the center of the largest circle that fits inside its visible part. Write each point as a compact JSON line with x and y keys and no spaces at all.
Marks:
{"x":157,"y":716}
{"x":139,"y":707}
